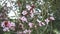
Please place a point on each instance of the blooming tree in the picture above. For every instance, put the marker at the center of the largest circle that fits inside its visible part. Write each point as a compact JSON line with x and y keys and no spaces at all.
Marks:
{"x":29,"y":16}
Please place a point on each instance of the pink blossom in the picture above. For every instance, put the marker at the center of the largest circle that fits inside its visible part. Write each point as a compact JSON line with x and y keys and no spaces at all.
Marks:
{"x":19,"y":32}
{"x":30,"y":24}
{"x":23,"y":18}
{"x":6,"y":25}
{"x":12,"y":24}
{"x":28,"y":7}
{"x":29,"y":31}
{"x":47,"y":20}
{"x":52,"y":18}
{"x":31,"y":11}
{"x":24,"y":12}
{"x":25,"y":31}
{"x":41,"y":23}
{"x":32,"y":15}
{"x":6,"y":29}
{"x":12,"y":28}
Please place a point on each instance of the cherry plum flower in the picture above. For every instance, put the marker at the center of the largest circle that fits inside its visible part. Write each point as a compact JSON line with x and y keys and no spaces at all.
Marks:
{"x":47,"y":21}
{"x":29,"y":31}
{"x":7,"y":25}
{"x":40,"y":22}
{"x":52,"y":18}
{"x":28,"y":7}
{"x":19,"y":32}
{"x":32,"y":15}
{"x":12,"y":26}
{"x":25,"y":31}
{"x":24,"y":12}
{"x":30,"y":24}
{"x":24,"y":19}
{"x":6,"y":29}
{"x":43,"y":23}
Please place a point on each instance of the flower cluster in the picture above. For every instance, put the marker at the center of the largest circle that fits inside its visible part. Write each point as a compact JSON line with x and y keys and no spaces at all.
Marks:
{"x":46,"y":21}
{"x":27,"y":17}
{"x":24,"y":32}
{"x":7,"y":25}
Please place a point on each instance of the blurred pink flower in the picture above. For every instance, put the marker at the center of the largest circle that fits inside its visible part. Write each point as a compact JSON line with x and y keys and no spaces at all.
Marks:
{"x":41,"y":23}
{"x":24,"y":12}
{"x":52,"y":18}
{"x":19,"y":32}
{"x":6,"y":29}
{"x":7,"y":24}
{"x":25,"y":31}
{"x":31,"y":11}
{"x":30,"y":24}
{"x":28,"y":7}
{"x":12,"y":24}
{"x":32,"y":15}
{"x":47,"y":21}
{"x":23,"y":18}
{"x":29,"y":31}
